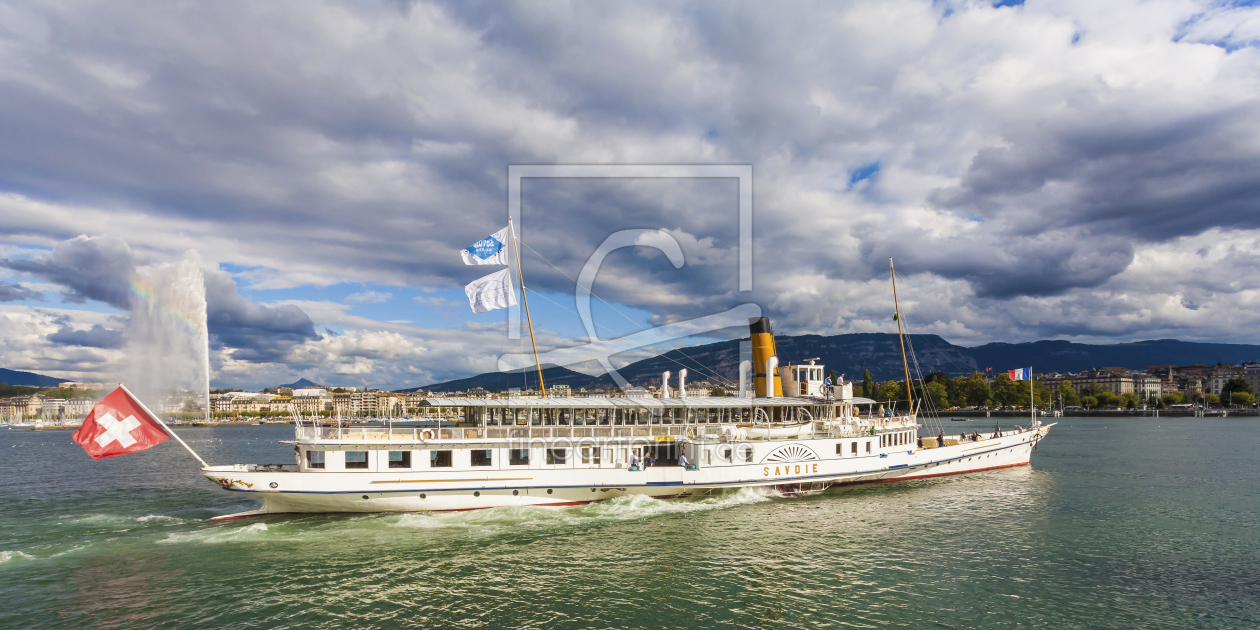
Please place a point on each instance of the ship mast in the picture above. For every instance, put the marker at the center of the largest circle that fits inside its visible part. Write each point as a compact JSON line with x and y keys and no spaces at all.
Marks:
{"x":900,"y":335}
{"x":525,"y":298}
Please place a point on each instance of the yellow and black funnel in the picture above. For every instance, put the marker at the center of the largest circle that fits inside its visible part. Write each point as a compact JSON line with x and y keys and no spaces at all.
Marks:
{"x":762,"y":349}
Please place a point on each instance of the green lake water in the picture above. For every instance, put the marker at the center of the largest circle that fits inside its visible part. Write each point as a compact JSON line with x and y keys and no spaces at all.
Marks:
{"x":1119,"y":523}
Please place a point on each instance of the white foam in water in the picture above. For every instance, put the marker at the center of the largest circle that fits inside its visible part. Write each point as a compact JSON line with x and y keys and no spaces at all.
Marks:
{"x":218,"y":534}
{"x":161,"y":518}
{"x":68,"y":551}
{"x":6,"y":556}
{"x":617,"y":509}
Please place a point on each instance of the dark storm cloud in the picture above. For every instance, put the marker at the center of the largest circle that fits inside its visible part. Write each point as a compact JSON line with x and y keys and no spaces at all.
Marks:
{"x":14,"y":292}
{"x":89,"y":267}
{"x":101,"y":268}
{"x":254,"y":332}
{"x":97,"y":336}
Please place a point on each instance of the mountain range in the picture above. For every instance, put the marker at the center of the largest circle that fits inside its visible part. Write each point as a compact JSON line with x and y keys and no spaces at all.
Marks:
{"x":27,"y":379}
{"x":846,"y":354}
{"x":880,"y":353}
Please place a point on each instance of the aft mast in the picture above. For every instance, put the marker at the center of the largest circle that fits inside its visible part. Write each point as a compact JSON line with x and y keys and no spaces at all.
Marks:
{"x":525,"y":298}
{"x":900,"y":335}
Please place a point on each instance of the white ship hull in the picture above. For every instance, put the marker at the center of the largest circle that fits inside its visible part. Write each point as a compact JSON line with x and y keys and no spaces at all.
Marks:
{"x":786,"y":465}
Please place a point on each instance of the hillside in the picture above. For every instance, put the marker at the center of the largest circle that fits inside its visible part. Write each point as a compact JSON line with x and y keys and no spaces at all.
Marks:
{"x":29,"y":379}
{"x":1065,"y":356}
{"x":881,"y":354}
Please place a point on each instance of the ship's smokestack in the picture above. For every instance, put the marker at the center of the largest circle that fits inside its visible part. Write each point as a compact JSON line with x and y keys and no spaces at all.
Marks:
{"x":762,"y":349}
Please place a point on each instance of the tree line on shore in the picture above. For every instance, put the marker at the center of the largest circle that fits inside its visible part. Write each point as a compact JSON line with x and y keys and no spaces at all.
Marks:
{"x":974,"y":390}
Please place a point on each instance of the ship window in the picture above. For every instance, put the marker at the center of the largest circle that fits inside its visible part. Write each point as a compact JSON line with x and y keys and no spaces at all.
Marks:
{"x":518,"y":457}
{"x":481,"y":457}
{"x":356,"y":459}
{"x":590,"y":455}
{"x":854,"y":449}
{"x":400,"y":459}
{"x":556,"y":456}
{"x":439,"y":459}
{"x":708,"y":457}
{"x":314,"y":459}
{"x":868,"y":447}
{"x":839,"y":449}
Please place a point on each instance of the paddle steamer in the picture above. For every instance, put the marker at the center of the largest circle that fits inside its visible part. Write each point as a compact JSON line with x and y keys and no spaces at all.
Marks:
{"x":788,"y":430}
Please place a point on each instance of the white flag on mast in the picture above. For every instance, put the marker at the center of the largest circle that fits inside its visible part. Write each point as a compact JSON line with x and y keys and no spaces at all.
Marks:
{"x":491,"y":250}
{"x":490,"y":292}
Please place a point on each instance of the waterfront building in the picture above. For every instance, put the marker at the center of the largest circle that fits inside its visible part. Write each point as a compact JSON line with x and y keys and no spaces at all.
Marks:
{"x":314,"y":404}
{"x":341,"y":403}
{"x":1146,"y":386}
{"x":78,"y":385}
{"x":1115,"y":380}
{"x":78,"y":407}
{"x":52,"y":407}
{"x":362,"y":403}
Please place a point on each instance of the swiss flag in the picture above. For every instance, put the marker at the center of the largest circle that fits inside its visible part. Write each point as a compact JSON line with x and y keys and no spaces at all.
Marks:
{"x":118,"y":425}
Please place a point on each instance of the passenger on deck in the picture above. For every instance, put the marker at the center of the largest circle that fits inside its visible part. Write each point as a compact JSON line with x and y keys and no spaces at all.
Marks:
{"x":634,"y":460}
{"x":682,"y":460}
{"x":940,"y":439}
{"x":648,"y":461}
{"x":975,"y":437}
{"x":997,"y":431}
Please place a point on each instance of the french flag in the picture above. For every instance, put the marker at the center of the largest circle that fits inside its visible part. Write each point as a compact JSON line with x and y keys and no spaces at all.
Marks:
{"x":1020,"y":374}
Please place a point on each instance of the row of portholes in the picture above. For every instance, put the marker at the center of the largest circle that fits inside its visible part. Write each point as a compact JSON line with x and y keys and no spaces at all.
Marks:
{"x":477,"y":493}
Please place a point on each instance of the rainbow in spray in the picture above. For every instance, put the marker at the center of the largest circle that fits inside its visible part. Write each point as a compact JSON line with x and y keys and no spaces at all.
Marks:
{"x":142,"y":292}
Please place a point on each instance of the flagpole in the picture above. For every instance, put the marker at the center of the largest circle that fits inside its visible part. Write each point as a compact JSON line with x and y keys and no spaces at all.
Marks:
{"x":900,"y":336}
{"x":163,"y":425}
{"x":525,"y":298}
{"x":1031,"y":404}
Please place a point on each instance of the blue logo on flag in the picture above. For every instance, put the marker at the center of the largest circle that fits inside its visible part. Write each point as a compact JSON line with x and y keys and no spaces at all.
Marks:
{"x":487,"y":247}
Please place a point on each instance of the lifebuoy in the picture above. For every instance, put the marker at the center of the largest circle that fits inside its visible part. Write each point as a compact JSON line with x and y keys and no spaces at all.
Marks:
{"x":426,"y":435}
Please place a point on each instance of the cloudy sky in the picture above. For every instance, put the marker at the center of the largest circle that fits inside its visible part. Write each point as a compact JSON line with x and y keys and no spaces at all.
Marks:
{"x":1073,"y":170}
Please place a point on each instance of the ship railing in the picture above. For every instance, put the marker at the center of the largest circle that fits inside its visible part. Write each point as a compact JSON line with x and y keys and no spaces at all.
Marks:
{"x":433,"y":434}
{"x":849,"y":427}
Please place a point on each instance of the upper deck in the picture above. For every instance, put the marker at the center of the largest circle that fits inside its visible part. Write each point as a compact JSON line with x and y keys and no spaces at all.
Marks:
{"x":696,"y":419}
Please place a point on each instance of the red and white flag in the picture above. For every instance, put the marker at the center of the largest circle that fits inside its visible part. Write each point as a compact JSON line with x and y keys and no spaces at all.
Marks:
{"x":119,"y":425}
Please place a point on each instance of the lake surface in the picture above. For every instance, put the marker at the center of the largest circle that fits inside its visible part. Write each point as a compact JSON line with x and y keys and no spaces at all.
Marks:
{"x":1119,"y":523}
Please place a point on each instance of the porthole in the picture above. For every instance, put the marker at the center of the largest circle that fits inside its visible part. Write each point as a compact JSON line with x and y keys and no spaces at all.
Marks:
{"x":548,"y":490}
{"x":365,"y":496}
{"x":422,"y":495}
{"x":476,"y":493}
{"x":274,"y":485}
{"x":592,"y":489}
{"x":516,"y":492}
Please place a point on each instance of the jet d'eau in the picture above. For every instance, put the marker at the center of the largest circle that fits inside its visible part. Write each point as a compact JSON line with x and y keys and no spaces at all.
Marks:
{"x":168,"y":347}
